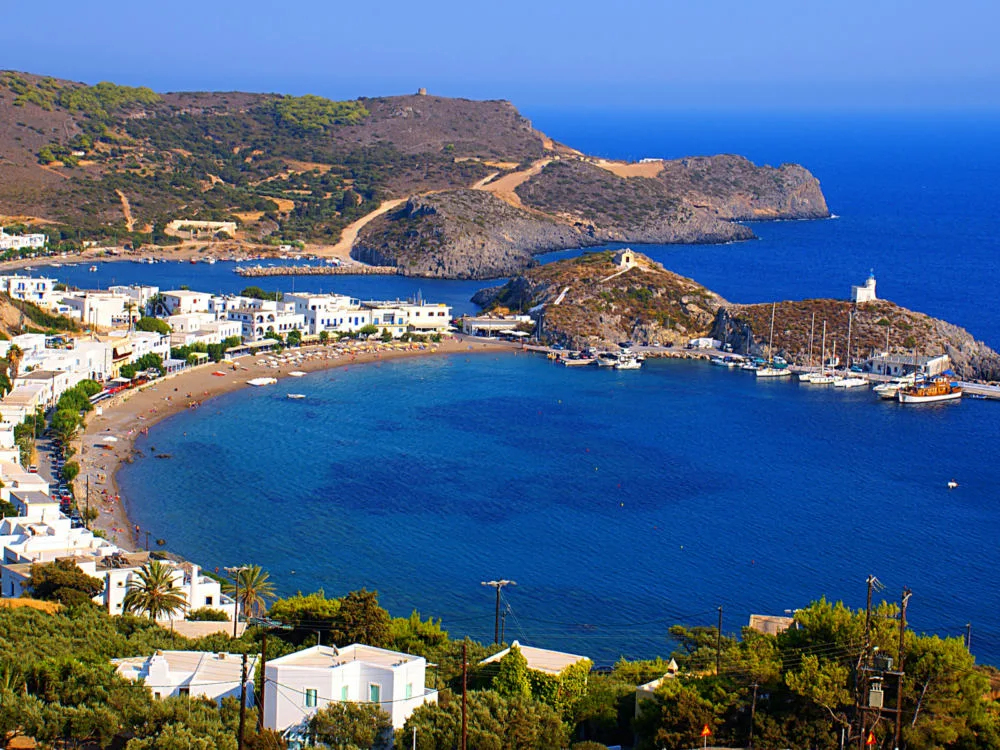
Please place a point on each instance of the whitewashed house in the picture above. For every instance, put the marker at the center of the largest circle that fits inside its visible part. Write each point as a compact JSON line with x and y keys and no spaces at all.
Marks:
{"x":260,"y":317}
{"x":102,"y":309}
{"x":150,"y":342}
{"x":541,"y":660}
{"x":181,"y":301}
{"x":197,"y":674}
{"x":40,"y":291}
{"x":21,"y":241}
{"x":299,"y":684}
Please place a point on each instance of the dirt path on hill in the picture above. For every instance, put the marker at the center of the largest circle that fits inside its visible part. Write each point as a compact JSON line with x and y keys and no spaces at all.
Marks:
{"x":127,"y":210}
{"x":504,"y":187}
{"x":342,"y":249}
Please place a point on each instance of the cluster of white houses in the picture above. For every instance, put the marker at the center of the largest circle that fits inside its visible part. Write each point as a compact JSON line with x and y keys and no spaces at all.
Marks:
{"x":200,"y":317}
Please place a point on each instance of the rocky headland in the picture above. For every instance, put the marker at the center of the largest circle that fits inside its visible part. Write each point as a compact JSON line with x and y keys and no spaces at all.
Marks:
{"x":593,"y":300}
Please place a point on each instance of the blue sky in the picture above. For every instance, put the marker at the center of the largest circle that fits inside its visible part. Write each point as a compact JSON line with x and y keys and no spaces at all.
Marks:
{"x":702,"y":54}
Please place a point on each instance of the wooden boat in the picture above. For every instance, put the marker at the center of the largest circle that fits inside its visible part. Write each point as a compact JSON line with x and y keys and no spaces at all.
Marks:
{"x":939,"y":389}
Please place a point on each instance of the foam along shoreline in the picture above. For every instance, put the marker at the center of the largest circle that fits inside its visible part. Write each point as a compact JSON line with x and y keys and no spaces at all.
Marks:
{"x":127,"y":415}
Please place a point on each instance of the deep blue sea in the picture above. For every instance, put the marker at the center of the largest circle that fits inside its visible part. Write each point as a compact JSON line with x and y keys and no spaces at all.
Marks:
{"x":624,"y":502}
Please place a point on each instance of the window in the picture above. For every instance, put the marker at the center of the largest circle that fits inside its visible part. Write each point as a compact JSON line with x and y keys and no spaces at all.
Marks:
{"x":409,"y":690}
{"x":184,"y":691}
{"x":208,"y":601}
{"x":374,"y":693}
{"x":310,"y":698}
{"x":343,"y":693}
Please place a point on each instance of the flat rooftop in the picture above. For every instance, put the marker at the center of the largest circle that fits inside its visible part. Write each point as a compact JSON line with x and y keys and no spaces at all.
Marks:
{"x":327,"y":657}
{"x":540,"y":659}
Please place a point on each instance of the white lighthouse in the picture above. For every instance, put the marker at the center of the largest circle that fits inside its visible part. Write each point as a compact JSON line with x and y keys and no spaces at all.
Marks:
{"x":866,"y":293}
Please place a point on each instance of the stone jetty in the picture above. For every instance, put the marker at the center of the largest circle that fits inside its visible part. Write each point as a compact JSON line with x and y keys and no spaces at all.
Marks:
{"x":351,"y":269}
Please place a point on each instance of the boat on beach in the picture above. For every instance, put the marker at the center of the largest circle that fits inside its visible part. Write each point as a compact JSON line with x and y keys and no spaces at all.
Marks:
{"x":938,"y":389}
{"x":296,"y":374}
{"x":257,"y":382}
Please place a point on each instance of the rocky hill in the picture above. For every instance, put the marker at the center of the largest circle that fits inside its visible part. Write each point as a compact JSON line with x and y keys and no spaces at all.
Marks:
{"x":463,"y":234}
{"x":876,"y":327}
{"x":117,"y":163}
{"x":592,"y":301}
{"x":604,"y":304}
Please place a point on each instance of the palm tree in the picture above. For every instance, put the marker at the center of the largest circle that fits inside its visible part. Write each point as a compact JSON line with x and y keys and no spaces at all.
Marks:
{"x":253,"y":589}
{"x":14,"y":357}
{"x":153,"y":592}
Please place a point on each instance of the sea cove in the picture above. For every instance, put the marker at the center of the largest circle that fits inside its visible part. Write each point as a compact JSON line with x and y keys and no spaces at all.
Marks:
{"x":620,"y":502}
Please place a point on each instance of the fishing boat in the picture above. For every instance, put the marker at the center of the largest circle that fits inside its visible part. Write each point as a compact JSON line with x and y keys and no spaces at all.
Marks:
{"x":938,"y":389}
{"x":607,"y":359}
{"x":628,"y":362}
{"x":890,"y":389}
{"x":257,"y":382}
{"x":93,"y":269}
{"x":849,"y":382}
{"x":295,"y":396}
{"x":723,"y":361}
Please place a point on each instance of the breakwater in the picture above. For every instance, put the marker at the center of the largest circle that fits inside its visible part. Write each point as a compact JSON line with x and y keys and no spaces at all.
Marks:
{"x":342,"y":270}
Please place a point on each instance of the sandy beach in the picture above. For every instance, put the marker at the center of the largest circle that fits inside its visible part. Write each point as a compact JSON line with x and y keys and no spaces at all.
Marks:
{"x":125,"y":416}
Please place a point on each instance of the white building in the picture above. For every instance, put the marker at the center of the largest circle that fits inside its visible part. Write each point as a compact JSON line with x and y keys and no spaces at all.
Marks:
{"x":704,"y":343}
{"x":40,"y":291}
{"x":103,"y":309}
{"x":208,"y":333}
{"x":22,"y":401}
{"x":54,"y":382}
{"x":197,"y":674}
{"x":866,"y":293}
{"x":260,"y":317}
{"x":180,"y":301}
{"x":20,"y":241}
{"x":338,"y":313}
{"x":150,"y":342}
{"x":140,"y":294}
{"x":487,"y":325}
{"x":95,"y":359}
{"x":299,"y":684}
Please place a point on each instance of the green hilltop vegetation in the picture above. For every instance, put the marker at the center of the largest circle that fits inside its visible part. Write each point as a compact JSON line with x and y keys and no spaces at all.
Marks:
{"x":286,"y":168}
{"x":795,"y":689}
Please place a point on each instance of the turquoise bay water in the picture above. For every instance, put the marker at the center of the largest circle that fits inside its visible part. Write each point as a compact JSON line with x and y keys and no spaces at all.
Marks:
{"x":620,"y":502}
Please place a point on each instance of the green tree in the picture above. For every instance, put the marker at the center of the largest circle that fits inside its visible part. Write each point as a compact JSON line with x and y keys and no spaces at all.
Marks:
{"x":674,"y":721}
{"x":14,"y":357}
{"x":511,"y":680}
{"x":494,"y":723}
{"x":324,"y":337}
{"x":412,"y":635}
{"x":153,"y":592}
{"x":294,"y":337}
{"x":65,"y":425}
{"x":255,"y":589}
{"x":62,"y":581}
{"x":367,"y":330}
{"x":386,"y":336}
{"x":207,"y":614}
{"x":350,"y":726}
{"x":360,"y":619}
{"x":70,"y":470}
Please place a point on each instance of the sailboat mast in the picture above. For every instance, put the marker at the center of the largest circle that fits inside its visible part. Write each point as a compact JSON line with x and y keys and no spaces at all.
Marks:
{"x":770,"y":338}
{"x":812,"y":331}
{"x":822,"y":354}
{"x":850,"y":321}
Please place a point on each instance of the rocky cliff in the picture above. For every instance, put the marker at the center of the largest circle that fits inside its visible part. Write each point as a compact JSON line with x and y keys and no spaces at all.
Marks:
{"x":463,"y":234}
{"x":876,"y":327}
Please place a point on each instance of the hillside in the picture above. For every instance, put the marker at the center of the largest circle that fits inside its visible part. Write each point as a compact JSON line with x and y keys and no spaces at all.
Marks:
{"x":648,"y":304}
{"x":602,"y":306}
{"x":874,"y":322}
{"x":115,"y":163}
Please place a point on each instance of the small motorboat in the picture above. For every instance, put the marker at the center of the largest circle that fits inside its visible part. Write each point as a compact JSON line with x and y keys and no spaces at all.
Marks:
{"x":952,"y":484}
{"x":296,"y":396}
{"x":296,"y":374}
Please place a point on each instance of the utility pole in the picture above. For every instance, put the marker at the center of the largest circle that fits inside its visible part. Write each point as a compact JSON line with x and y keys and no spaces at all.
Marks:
{"x":465,"y":679}
{"x":243,"y":704}
{"x":902,"y":654}
{"x":86,"y":515}
{"x":753,"y":712}
{"x":968,"y":637}
{"x":266,"y":624}
{"x":147,"y":540}
{"x":718,"y":644}
{"x":235,"y":573}
{"x":496,"y":620}
{"x":860,"y":672}
{"x":503,"y":626}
